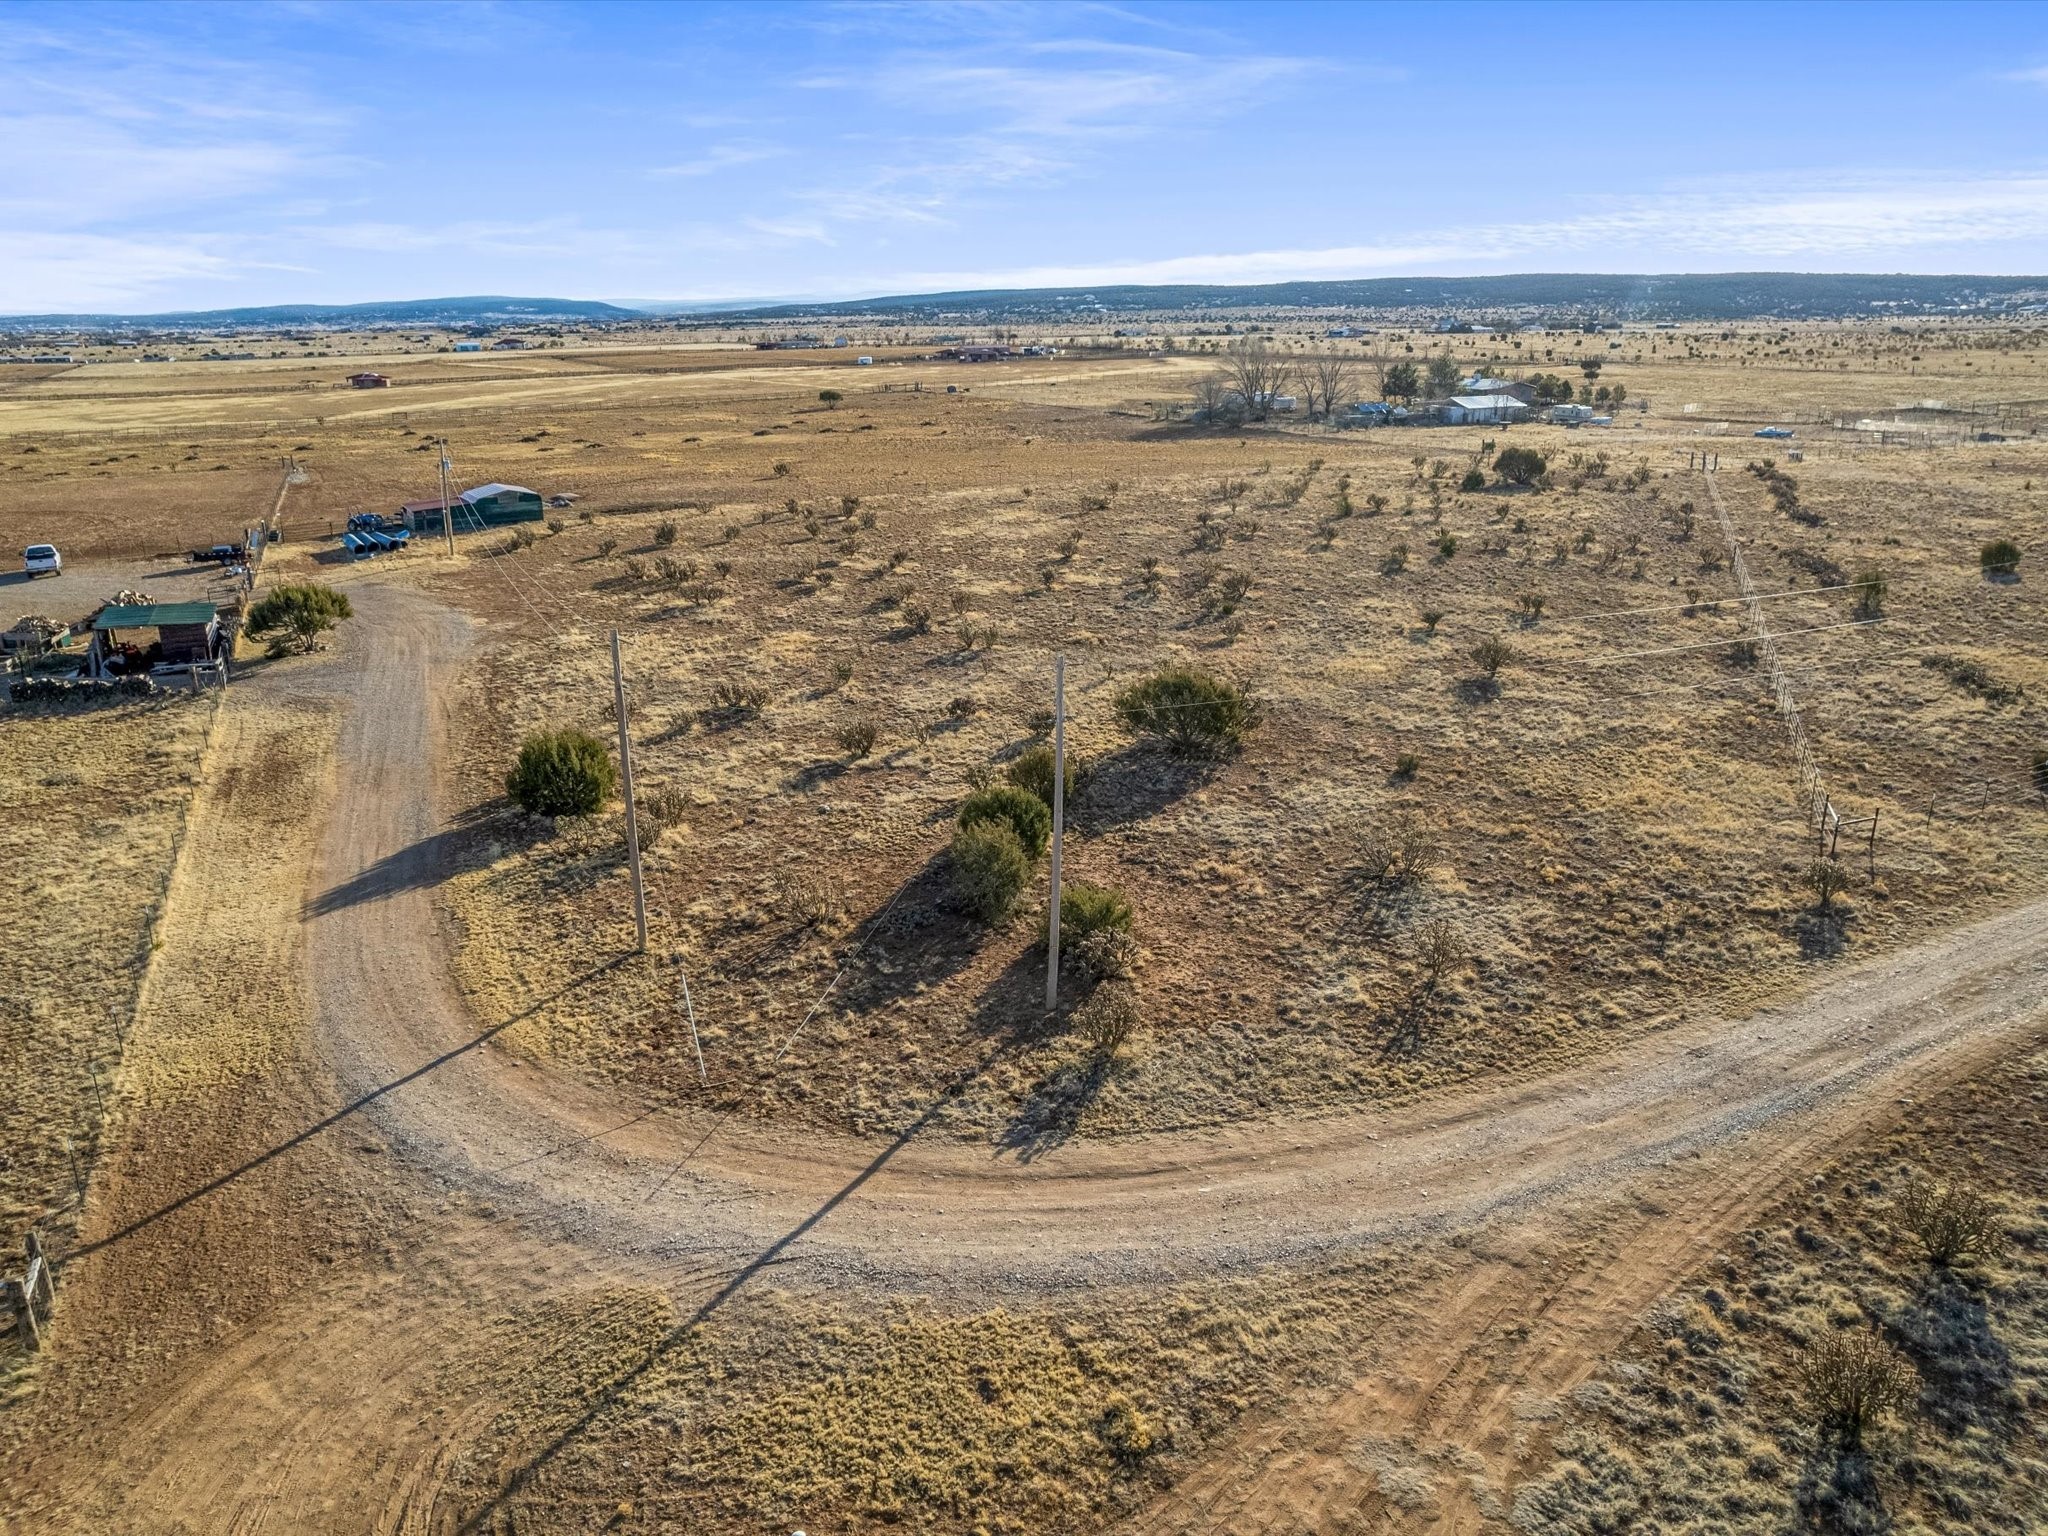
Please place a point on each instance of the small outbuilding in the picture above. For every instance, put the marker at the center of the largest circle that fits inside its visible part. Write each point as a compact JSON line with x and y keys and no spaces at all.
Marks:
{"x":130,"y":639}
{"x":369,"y":381}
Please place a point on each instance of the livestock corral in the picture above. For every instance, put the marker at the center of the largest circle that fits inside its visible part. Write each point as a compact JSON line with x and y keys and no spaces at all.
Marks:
{"x":1547,"y":906}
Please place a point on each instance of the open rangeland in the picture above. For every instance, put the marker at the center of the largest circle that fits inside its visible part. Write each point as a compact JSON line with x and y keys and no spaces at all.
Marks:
{"x":1487,"y":1095}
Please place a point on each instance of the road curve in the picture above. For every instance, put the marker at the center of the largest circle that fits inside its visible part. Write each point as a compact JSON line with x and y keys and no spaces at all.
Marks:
{"x":550,"y":1151}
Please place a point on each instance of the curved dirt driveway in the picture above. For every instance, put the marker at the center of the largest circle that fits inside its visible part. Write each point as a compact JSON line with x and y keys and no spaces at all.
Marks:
{"x":912,"y":1213}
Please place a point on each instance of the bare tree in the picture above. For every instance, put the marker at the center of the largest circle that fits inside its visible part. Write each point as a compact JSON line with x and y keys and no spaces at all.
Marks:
{"x":1256,"y":372}
{"x":1328,"y":379}
{"x":1216,"y":400}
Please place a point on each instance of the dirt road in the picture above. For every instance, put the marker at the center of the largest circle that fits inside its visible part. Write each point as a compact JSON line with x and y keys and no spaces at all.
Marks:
{"x":1582,"y":1193}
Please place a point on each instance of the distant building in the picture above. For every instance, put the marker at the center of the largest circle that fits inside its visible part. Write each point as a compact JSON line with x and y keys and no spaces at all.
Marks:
{"x":483,"y":506}
{"x":1515,"y":389}
{"x":1570,"y":415}
{"x":469,"y":346}
{"x":1482,"y":410}
{"x":509,"y":344}
{"x":369,"y":380}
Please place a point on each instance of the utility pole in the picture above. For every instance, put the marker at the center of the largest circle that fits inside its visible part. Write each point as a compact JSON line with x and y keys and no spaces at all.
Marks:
{"x":448,"y":526}
{"x":632,"y":814}
{"x":1059,"y":827}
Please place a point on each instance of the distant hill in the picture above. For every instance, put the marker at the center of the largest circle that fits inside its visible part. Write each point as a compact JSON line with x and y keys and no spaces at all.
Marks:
{"x":1676,"y":296}
{"x":335,"y":317}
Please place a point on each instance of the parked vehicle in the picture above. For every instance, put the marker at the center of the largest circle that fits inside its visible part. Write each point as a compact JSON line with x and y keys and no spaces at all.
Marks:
{"x":41,"y":560}
{"x":220,"y":554}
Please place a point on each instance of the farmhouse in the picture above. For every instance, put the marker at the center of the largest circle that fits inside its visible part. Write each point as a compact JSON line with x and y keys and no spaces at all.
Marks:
{"x":1482,"y":410}
{"x":509,"y":344}
{"x":369,"y":380}
{"x":1515,"y":389}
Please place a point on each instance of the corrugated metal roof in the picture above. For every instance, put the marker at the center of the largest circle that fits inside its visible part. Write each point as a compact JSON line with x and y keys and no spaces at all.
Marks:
{"x":1488,"y":402}
{"x":153,"y":615}
{"x":495,"y":488}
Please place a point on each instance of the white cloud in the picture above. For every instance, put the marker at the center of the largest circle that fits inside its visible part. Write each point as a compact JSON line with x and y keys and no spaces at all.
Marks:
{"x":1858,"y":220}
{"x":722,"y":157}
{"x":2036,"y":75}
{"x":45,"y":273}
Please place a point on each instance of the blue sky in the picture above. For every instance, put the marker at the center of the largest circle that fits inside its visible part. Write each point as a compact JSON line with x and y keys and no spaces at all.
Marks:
{"x":168,"y":156}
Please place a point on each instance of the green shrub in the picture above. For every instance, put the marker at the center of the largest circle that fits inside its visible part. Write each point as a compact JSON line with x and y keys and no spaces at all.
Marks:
{"x":990,"y":868}
{"x":2001,"y":557}
{"x":1520,"y":466}
{"x":1021,"y":811}
{"x":1868,"y":592}
{"x":1090,"y":909}
{"x":1032,"y":772}
{"x":561,"y":773}
{"x":1190,"y":710}
{"x":1475,"y":480}
{"x":298,"y":615}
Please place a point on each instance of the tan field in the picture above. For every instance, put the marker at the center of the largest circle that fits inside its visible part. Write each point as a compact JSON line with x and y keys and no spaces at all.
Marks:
{"x":1503,"y":1119}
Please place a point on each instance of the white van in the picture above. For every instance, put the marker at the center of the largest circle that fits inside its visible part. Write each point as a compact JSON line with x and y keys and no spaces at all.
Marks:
{"x":41,"y":560}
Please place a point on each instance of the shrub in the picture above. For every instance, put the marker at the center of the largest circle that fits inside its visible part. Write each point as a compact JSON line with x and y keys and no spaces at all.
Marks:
{"x":561,"y":773}
{"x":990,"y":868}
{"x":605,"y":548}
{"x":1190,"y":710}
{"x":1475,"y":480}
{"x":1520,"y":466}
{"x":917,"y":618}
{"x":1431,"y":617}
{"x":1108,"y":954}
{"x":1033,"y":770}
{"x":1090,"y":909}
{"x":1446,"y":544}
{"x":1850,"y":1380}
{"x":1868,"y":592}
{"x":298,"y":615}
{"x":1950,"y":1221}
{"x":1022,"y":812}
{"x":660,"y":808}
{"x":2001,"y":557}
{"x":1491,"y":654}
{"x":1827,"y":880}
{"x":1531,"y":604}
{"x":1438,"y":952}
{"x":831,"y":398}
{"x":665,"y":532}
{"x":857,"y":737}
{"x":1107,"y":1021}
{"x":1399,"y":854}
{"x":1407,"y":765}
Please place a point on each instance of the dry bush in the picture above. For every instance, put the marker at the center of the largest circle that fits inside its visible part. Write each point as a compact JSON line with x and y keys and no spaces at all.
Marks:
{"x":660,"y":809}
{"x":1109,"y":1018}
{"x":1438,"y":951}
{"x":1950,"y":1220}
{"x":1402,"y":853}
{"x":809,"y":897}
{"x":917,"y":618}
{"x":665,"y":532}
{"x":1108,"y":954}
{"x":857,"y":738}
{"x":1827,"y":880}
{"x":1850,"y":1380}
{"x":738,"y":701}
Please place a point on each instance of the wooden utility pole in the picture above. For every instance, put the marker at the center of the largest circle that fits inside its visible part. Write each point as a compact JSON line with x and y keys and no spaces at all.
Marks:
{"x":632,"y":813}
{"x":1059,"y":827}
{"x":448,"y":521}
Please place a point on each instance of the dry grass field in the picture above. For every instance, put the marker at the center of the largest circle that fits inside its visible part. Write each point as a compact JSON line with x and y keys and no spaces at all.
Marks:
{"x":92,"y":812}
{"x":837,"y":618}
